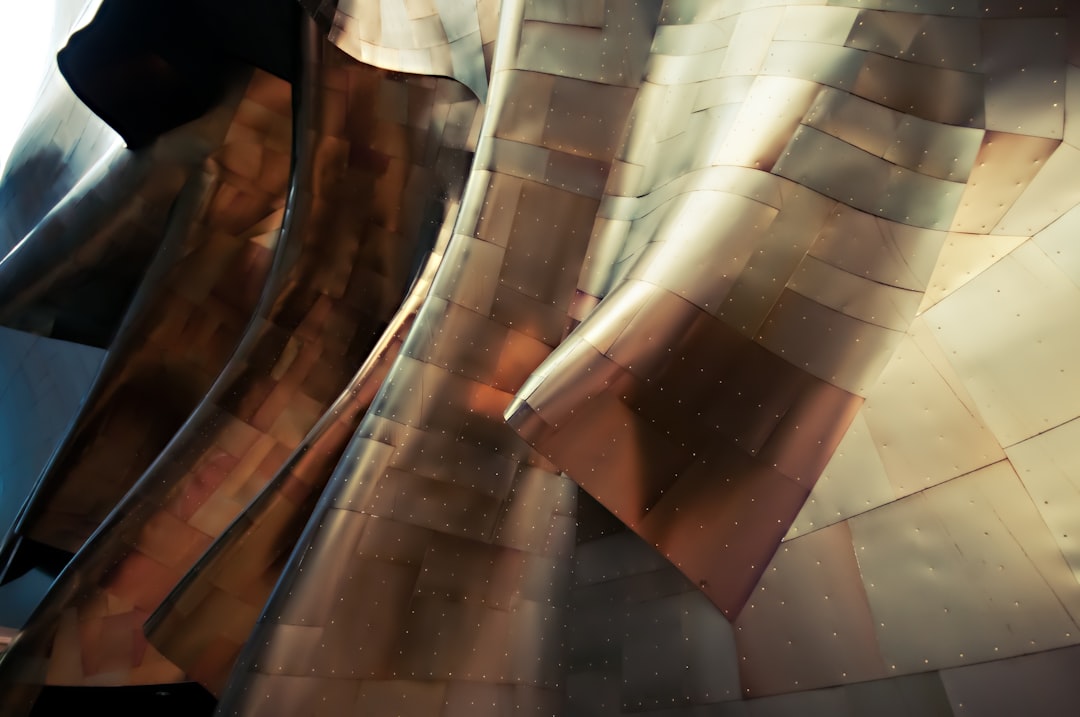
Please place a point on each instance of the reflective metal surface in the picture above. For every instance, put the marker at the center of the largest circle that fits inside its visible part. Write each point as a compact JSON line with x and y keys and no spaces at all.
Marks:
{"x":736,"y":378}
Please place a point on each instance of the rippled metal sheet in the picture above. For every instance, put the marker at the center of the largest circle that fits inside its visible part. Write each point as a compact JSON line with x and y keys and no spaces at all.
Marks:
{"x":312,"y":323}
{"x":698,"y":241}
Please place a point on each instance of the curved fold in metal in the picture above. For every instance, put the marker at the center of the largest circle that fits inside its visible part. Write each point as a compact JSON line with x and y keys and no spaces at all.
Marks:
{"x":698,"y":241}
{"x":188,"y":315}
{"x":434,"y":571}
{"x":380,"y":160}
{"x":453,"y":39}
{"x":203,"y":623}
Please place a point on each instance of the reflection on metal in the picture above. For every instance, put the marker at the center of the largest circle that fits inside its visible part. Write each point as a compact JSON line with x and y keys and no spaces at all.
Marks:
{"x":736,"y":374}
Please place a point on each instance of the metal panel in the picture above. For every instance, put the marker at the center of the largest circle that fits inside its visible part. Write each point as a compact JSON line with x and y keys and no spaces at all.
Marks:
{"x":1017,"y":595}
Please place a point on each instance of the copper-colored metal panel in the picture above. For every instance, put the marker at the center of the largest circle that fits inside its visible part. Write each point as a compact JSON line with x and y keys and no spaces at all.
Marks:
{"x":180,"y":331}
{"x":816,"y":575}
{"x":1014,"y":598}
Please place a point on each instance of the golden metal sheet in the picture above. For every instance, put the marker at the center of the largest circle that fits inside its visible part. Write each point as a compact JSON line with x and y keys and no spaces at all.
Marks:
{"x":1017,"y":595}
{"x":924,"y":433}
{"x":1030,"y":387}
{"x":1004,"y":167}
{"x":767,"y":118}
{"x":692,"y":39}
{"x":1049,"y":195}
{"x":963,"y":257}
{"x":1047,"y":466}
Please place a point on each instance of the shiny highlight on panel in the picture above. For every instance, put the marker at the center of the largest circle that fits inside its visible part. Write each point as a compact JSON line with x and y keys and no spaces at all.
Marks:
{"x":673,"y":357}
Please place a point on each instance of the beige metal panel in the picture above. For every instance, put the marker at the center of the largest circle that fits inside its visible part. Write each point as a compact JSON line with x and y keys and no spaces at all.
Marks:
{"x":852,"y":358}
{"x":767,"y":118}
{"x":808,"y":623}
{"x":684,"y":69}
{"x":1049,"y":467}
{"x":1053,"y":192}
{"x":924,"y":433}
{"x":1058,"y":241}
{"x":854,"y":296}
{"x":1004,"y":167}
{"x":880,"y":250}
{"x":1025,"y":76}
{"x":963,"y":257}
{"x":692,"y":39}
{"x":853,"y":482}
{"x":1021,"y":387}
{"x":751,"y":40}
{"x":971,"y":562}
{"x":703,"y":245}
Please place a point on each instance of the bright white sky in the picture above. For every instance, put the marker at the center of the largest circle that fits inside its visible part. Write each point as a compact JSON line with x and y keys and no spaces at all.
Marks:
{"x":25,"y":53}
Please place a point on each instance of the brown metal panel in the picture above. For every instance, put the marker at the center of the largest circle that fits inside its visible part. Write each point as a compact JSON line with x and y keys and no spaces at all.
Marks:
{"x":808,"y":623}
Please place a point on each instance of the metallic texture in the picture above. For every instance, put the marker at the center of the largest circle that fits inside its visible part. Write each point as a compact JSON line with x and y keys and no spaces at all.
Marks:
{"x":430,"y":37}
{"x":736,"y":379}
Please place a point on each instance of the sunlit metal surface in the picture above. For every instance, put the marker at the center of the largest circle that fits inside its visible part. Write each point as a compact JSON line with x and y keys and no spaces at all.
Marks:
{"x":785,"y":289}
